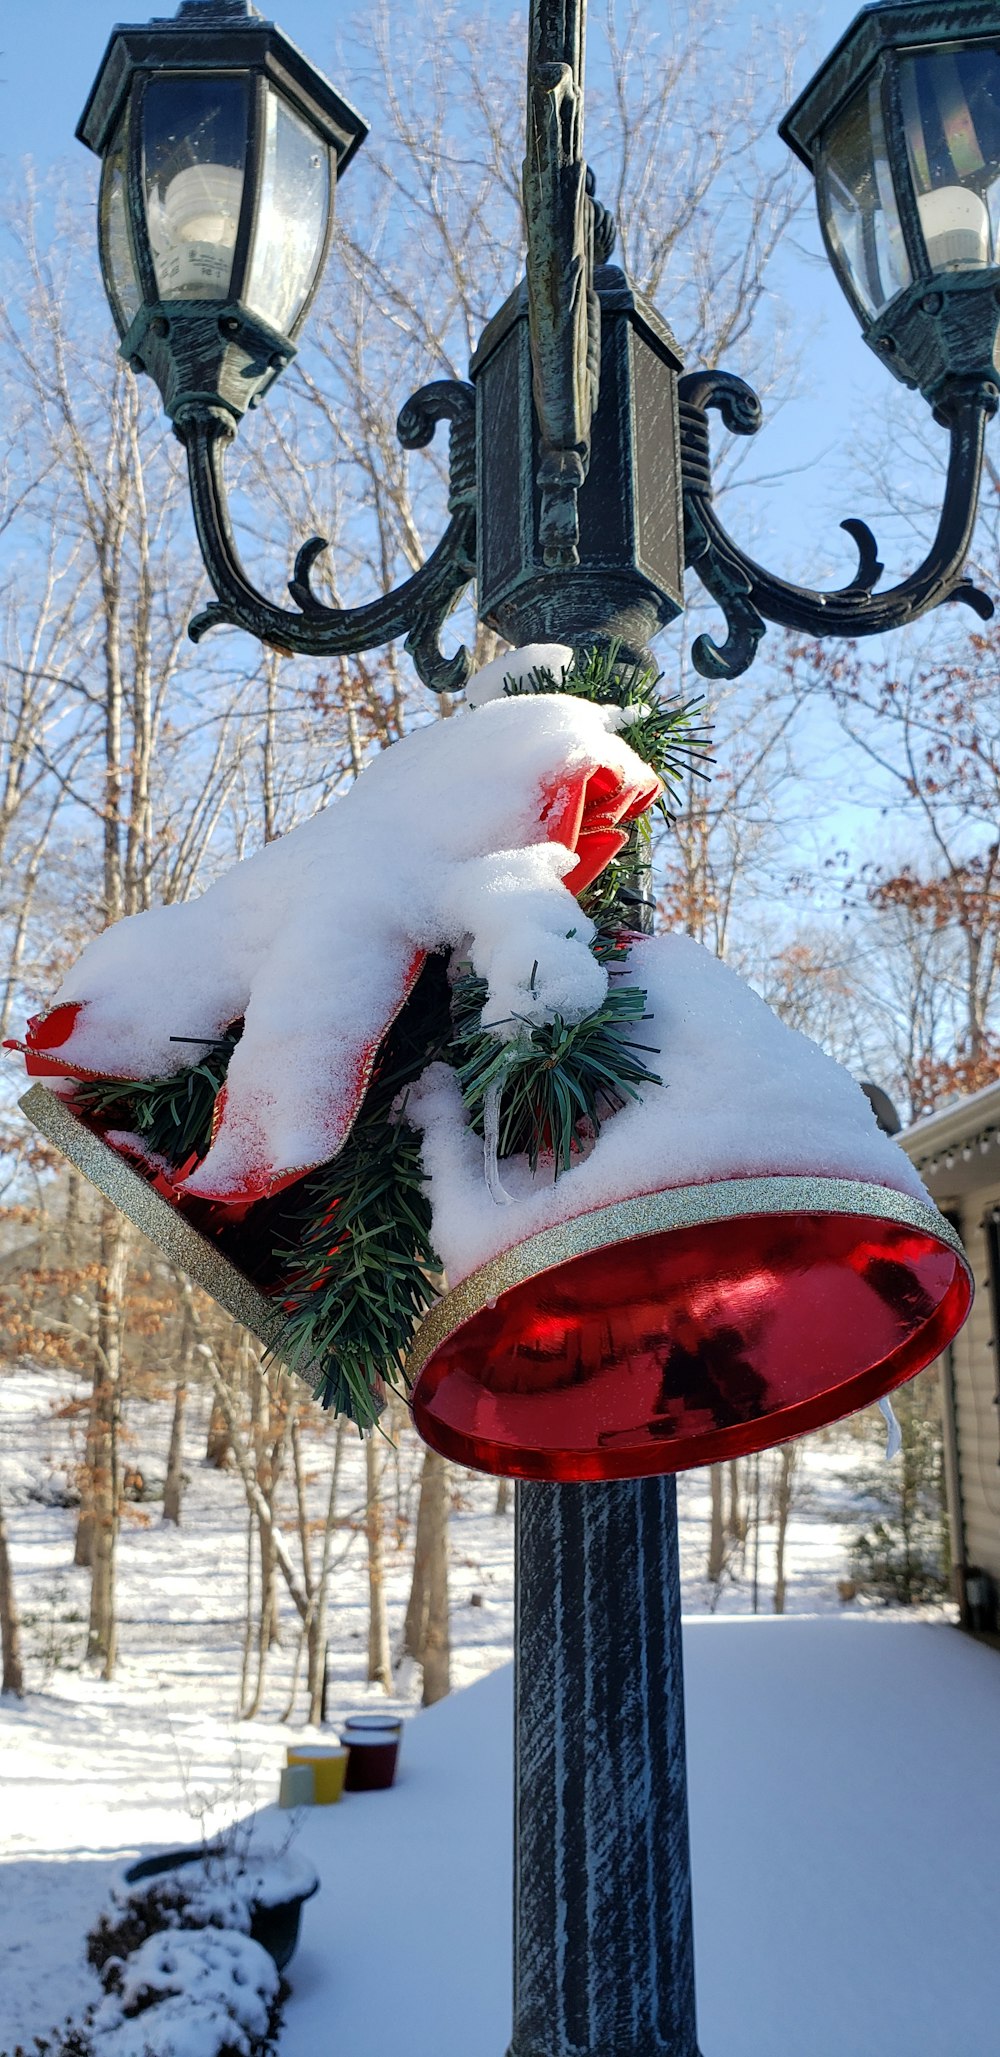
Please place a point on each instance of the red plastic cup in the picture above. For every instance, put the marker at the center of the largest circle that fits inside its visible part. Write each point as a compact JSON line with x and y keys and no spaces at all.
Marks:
{"x":373,"y":1752}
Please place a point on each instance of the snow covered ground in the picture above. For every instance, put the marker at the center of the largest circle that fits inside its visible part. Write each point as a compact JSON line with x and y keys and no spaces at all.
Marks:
{"x":845,"y":1822}
{"x":867,"y":1730}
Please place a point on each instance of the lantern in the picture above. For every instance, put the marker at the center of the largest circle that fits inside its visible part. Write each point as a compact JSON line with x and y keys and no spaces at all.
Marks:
{"x":221,"y":146}
{"x":901,"y":129}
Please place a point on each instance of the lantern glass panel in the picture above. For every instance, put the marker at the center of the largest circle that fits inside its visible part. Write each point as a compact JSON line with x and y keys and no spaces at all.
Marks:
{"x":116,"y":250}
{"x":292,"y":216}
{"x":194,"y":148}
{"x":858,"y":203}
{"x":951,"y":114}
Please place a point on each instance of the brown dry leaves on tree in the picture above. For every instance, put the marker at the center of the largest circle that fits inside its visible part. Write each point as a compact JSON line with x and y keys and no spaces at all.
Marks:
{"x":929,"y":728}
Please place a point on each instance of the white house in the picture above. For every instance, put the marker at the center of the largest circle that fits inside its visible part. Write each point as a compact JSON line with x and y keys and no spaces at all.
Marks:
{"x":957,"y":1153}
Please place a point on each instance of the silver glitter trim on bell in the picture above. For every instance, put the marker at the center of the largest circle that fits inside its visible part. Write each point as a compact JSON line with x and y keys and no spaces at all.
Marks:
{"x":677,"y":1208}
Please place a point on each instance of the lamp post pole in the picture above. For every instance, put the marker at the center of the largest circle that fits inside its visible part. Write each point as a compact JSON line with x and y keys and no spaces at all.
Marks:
{"x":603,"y":1954}
{"x":603,"y":1945}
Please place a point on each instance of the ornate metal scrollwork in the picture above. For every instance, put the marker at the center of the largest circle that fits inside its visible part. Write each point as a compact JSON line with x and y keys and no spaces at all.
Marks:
{"x":750,"y":596}
{"x":416,"y":610}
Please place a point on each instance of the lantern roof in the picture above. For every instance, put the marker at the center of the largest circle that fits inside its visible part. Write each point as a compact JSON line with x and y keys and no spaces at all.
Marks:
{"x":223,"y":35}
{"x":888,"y":25}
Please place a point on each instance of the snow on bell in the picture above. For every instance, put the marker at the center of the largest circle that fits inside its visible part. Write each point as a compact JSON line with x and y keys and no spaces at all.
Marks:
{"x":742,"y":1257}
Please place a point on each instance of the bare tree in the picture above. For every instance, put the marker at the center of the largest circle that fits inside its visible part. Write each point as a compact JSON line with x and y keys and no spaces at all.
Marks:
{"x":95,"y":736}
{"x":260,"y":1502}
{"x":104,"y":1438}
{"x":426,"y":1632}
{"x":788,"y":1462}
{"x":925,"y":913}
{"x":317,"y":1628}
{"x":379,"y":1658}
{"x":173,"y":1487}
{"x":716,"y":1525}
{"x":12,"y":1680}
{"x":736,"y":1520}
{"x":437,"y":1632}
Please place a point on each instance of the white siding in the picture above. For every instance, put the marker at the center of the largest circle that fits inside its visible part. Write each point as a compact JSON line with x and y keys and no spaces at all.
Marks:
{"x":976,"y":1411}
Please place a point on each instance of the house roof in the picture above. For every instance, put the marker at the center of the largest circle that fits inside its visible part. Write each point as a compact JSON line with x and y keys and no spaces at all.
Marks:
{"x":957,"y":1148}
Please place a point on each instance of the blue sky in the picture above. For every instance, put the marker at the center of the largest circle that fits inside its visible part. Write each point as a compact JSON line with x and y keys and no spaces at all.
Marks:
{"x":50,"y":50}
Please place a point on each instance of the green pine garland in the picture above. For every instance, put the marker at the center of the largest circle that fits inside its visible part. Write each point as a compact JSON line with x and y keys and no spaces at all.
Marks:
{"x":358,"y":1275}
{"x":346,"y":1252}
{"x":356,"y":1266}
{"x":669,"y":736}
{"x":172,"y":1115}
{"x":556,"y":1081}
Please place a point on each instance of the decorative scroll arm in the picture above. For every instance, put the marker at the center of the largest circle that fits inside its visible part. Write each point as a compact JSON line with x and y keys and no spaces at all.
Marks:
{"x":416,"y":610}
{"x":750,"y":596}
{"x":564,"y":311}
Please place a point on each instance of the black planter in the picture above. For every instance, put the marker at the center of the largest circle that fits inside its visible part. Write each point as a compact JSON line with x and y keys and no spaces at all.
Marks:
{"x":276,"y":1929}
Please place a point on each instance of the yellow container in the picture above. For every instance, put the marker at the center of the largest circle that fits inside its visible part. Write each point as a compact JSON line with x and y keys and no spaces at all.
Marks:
{"x":329,"y":1769}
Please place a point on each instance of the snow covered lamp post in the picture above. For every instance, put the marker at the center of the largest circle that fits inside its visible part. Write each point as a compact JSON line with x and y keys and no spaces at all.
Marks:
{"x":581,"y":487}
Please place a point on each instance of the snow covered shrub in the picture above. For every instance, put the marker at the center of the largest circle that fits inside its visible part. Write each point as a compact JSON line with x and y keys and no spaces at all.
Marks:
{"x":69,"y":2042}
{"x":184,"y":1993}
{"x":207,"y":1992}
{"x":183,"y":1976}
{"x":152,"y":1905}
{"x":223,"y":1889}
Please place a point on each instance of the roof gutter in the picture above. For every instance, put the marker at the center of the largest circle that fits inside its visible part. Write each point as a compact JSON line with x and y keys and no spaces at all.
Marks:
{"x":959,"y":1130}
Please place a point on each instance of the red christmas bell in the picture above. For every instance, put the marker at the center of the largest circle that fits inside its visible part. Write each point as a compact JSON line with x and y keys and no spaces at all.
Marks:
{"x":741,"y":1258}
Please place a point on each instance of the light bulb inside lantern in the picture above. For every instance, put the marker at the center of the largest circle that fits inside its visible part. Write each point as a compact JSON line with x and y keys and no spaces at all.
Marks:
{"x":193,"y":231}
{"x":956,"y":228}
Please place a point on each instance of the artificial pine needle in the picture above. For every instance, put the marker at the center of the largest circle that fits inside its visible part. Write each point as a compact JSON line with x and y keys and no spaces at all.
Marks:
{"x":172,"y":1115}
{"x":558,"y":1080}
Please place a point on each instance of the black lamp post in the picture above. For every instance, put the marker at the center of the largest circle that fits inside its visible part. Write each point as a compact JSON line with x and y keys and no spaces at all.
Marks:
{"x":580,"y":488}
